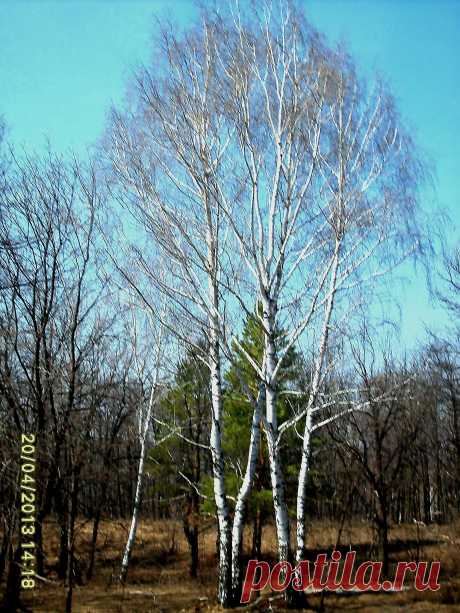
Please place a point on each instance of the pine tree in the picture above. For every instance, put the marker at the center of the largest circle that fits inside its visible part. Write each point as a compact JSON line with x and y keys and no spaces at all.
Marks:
{"x":237,"y":426}
{"x":179,"y":468}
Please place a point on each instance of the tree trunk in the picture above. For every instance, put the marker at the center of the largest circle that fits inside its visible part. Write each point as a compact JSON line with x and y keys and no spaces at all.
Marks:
{"x":191,"y":534}
{"x":92,"y":554}
{"x":7,"y":541}
{"x":279,"y":500}
{"x":134,"y":518}
{"x":382,"y":529}
{"x":301,"y":532}
{"x":315,"y":386}
{"x":223,"y":515}
{"x":11,"y":600}
{"x":135,"y":515}
{"x":241,"y":502}
{"x":97,"y":518}
{"x":271,"y":433}
{"x":138,"y":493}
{"x":63,"y":560}
{"x":191,"y":531}
{"x":4,"y":553}
{"x":70,"y":544}
{"x":257,"y":525}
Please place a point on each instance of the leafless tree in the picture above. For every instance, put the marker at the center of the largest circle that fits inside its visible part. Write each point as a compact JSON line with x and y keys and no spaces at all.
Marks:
{"x":380,"y":437}
{"x":148,"y":400}
{"x":264,"y":170}
{"x":49,"y":324}
{"x":441,"y":365}
{"x":327,"y":204}
{"x":167,"y":165}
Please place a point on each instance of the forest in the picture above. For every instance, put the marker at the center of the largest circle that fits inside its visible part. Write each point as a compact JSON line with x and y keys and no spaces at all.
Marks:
{"x":199,"y":365}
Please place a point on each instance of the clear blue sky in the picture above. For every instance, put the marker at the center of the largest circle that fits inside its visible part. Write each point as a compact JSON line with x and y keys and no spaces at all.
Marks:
{"x":62,"y":63}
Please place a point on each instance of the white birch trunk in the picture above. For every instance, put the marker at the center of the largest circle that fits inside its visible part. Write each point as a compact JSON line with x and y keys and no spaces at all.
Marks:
{"x":279,"y":498}
{"x":138,"y":495}
{"x":218,"y":465}
{"x":304,"y":465}
{"x":223,"y":515}
{"x":271,"y":430}
{"x":301,"y":510}
{"x":240,"y":507}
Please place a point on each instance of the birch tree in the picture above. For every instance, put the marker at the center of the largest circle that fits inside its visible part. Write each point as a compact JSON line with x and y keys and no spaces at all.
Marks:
{"x":264,"y":170}
{"x":150,"y":390}
{"x":165,"y":161}
{"x":327,"y":204}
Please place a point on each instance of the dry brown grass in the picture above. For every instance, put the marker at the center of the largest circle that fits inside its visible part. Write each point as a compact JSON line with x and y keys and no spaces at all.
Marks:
{"x":158,"y":579}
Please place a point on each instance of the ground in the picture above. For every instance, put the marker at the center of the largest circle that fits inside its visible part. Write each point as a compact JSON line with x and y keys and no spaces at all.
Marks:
{"x":158,"y":577}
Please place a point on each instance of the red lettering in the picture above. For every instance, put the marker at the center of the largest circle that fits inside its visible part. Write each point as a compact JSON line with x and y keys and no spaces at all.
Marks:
{"x":250,"y":584}
{"x":432,"y":584}
{"x":301,"y":578}
{"x":346,"y":582}
{"x":281,"y":575}
{"x":331,"y":581}
{"x":373,"y":583}
{"x":318,"y":571}
{"x":401,"y":570}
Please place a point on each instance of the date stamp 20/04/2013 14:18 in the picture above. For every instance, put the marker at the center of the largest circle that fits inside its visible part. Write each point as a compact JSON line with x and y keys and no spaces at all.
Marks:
{"x":28,"y":511}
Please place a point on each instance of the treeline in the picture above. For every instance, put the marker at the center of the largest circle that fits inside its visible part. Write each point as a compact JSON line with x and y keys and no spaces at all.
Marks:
{"x":186,"y":323}
{"x":70,"y":373}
